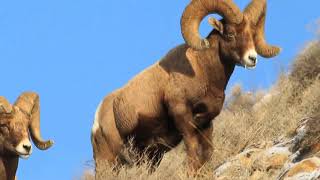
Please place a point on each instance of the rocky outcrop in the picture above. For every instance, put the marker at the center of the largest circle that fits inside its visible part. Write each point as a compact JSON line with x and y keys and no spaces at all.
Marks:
{"x":287,"y":158}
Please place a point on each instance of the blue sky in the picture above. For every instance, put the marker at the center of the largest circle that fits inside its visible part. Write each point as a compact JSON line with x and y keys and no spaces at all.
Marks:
{"x":73,"y":53}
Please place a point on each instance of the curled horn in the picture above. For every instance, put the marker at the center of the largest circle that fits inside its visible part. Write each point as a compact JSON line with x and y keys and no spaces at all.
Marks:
{"x":256,"y":12}
{"x":29,"y":103}
{"x":5,"y":106}
{"x":197,"y":10}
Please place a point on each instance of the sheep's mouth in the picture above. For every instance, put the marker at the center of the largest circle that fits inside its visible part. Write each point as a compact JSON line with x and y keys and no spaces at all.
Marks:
{"x":247,"y":66}
{"x":23,"y":155}
{"x":250,"y":66}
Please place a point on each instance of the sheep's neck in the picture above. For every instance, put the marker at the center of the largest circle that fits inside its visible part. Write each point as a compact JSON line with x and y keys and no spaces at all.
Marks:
{"x":216,"y":69}
{"x":8,"y":167}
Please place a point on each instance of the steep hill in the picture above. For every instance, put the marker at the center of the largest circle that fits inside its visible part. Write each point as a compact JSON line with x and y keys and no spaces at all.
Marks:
{"x":253,"y":124}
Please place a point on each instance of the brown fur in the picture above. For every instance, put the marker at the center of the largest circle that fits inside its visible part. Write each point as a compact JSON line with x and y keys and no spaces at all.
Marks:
{"x":15,"y":125}
{"x":175,"y":99}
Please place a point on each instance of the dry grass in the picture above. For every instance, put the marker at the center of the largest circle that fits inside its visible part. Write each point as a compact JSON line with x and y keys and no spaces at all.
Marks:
{"x":248,"y":118}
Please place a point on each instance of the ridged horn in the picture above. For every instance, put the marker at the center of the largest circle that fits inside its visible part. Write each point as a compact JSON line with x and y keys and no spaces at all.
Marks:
{"x":5,"y":106}
{"x":29,"y":103}
{"x":256,"y":13}
{"x":197,"y":10}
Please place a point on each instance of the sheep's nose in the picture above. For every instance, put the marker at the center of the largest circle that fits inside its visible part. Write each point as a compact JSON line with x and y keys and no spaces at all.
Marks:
{"x":27,"y":147}
{"x":253,"y":59}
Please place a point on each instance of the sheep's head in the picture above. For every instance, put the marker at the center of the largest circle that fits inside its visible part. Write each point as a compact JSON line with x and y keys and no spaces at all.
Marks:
{"x":241,"y":34}
{"x":18,"y":122}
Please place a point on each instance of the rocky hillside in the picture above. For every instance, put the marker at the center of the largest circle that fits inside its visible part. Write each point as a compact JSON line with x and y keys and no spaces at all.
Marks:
{"x":262,"y":134}
{"x":286,"y":158}
{"x":271,"y":134}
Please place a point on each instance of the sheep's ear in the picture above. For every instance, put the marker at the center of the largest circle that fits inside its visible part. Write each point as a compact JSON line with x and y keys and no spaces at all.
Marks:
{"x":216,"y":24}
{"x":5,"y":106}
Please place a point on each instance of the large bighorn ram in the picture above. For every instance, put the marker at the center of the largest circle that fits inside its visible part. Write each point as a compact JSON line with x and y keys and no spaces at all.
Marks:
{"x":178,"y":97}
{"x":17,"y":122}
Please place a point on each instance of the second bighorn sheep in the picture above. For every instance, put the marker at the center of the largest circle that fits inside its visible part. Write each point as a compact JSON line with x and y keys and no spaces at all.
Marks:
{"x":177,"y":98}
{"x":17,"y":123}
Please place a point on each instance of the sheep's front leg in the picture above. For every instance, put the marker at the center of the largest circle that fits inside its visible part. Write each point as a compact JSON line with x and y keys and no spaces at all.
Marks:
{"x":183,"y":119}
{"x":205,"y":139}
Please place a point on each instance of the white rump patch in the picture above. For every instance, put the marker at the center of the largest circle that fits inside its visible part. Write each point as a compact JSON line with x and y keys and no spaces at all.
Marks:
{"x":96,"y":125}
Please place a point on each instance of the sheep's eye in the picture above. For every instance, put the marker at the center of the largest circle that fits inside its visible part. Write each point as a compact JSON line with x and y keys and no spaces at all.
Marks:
{"x":230,"y":36}
{"x":4,"y":127}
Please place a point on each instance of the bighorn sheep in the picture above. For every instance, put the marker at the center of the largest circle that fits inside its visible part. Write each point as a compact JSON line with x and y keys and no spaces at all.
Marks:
{"x":178,"y":97}
{"x":16,"y":122}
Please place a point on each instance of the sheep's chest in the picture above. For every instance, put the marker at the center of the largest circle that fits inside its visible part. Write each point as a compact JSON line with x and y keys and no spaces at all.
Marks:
{"x":207,"y":105}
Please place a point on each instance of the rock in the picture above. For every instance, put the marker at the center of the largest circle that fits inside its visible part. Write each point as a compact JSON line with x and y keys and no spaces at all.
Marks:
{"x":272,"y":158}
{"x":240,"y":164}
{"x":288,"y":159}
{"x":305,"y":169}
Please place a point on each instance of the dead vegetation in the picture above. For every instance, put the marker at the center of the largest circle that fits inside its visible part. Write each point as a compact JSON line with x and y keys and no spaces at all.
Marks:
{"x":248,"y":118}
